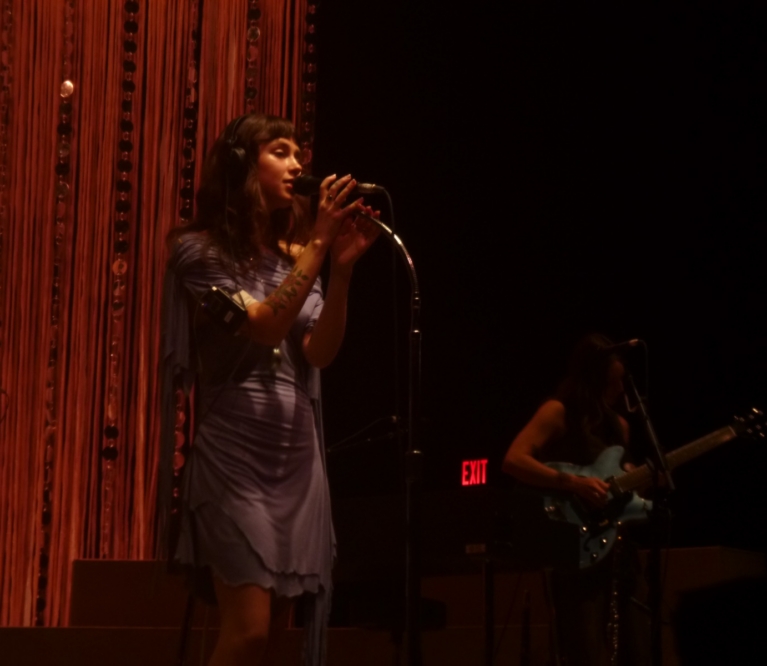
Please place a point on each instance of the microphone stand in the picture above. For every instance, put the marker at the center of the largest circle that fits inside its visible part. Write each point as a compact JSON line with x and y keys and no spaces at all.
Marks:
{"x":657,"y":464}
{"x":413,"y":462}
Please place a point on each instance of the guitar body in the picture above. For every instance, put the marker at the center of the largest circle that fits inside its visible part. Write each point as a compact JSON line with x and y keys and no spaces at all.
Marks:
{"x":597,"y":528}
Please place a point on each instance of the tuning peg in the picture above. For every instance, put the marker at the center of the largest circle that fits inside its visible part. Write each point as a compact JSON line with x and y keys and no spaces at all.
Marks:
{"x":757,"y":412}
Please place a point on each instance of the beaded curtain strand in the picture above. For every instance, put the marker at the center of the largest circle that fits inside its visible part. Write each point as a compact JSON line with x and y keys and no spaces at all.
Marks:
{"x":306,"y":97}
{"x":61,"y":241}
{"x":183,"y":426}
{"x":286,"y":19}
{"x":6,"y":88}
{"x":62,"y":236}
{"x":165,"y":132}
{"x":77,"y":486}
{"x":6,"y":84}
{"x":121,"y":311}
{"x":33,"y":58}
{"x":252,"y":73}
{"x":221,"y":71}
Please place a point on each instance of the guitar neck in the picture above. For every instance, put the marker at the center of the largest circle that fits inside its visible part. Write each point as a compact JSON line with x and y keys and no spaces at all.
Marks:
{"x":642,"y":476}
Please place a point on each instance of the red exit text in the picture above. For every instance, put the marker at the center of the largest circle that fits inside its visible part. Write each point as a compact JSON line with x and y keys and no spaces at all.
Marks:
{"x":474,"y":472}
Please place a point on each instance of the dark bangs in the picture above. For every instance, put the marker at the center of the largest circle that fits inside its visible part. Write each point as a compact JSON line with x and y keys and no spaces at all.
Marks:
{"x":263,"y":129}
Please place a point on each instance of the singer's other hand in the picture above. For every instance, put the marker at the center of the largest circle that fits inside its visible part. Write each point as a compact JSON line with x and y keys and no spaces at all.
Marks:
{"x":333,"y":207}
{"x":355,"y":237}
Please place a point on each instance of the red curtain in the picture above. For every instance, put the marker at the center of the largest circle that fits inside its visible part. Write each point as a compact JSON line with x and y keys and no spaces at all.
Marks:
{"x":106,"y":109}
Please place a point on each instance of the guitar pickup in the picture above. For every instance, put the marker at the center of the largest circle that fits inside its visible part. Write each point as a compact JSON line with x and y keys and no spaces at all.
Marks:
{"x":615,"y":487}
{"x":554,"y":512}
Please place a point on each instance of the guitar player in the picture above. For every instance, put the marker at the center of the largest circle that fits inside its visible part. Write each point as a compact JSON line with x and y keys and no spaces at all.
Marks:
{"x":575,"y":426}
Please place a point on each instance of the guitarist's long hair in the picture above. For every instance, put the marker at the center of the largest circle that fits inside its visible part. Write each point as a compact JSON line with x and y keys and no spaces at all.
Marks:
{"x":582,"y":389}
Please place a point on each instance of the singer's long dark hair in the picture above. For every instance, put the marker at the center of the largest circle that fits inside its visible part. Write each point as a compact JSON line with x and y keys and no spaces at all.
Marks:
{"x":233,"y":214}
{"x":582,"y":390}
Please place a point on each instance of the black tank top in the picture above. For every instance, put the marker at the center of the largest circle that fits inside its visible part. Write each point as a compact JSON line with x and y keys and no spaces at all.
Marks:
{"x":582,"y":447}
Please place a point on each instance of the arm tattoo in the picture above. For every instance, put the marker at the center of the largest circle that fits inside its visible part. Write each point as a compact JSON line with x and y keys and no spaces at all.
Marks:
{"x":287,"y":291}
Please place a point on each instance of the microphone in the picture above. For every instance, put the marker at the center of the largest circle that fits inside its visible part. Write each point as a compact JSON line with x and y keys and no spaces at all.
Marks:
{"x":621,"y":346}
{"x":308,"y":185}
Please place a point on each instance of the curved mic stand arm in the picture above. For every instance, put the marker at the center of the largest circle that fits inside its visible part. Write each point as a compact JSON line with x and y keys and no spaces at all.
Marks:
{"x":413,"y":461}
{"x":400,"y":246}
{"x":414,"y":383}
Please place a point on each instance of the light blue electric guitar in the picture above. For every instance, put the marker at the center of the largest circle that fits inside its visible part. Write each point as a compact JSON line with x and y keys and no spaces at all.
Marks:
{"x":597,"y":528}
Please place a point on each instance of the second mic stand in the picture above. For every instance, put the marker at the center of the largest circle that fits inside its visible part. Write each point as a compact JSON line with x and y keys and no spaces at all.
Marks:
{"x":660,"y":474}
{"x":413,"y":461}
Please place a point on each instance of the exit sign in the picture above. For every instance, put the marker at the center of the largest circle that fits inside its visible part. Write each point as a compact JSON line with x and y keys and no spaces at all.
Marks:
{"x":474,"y":472}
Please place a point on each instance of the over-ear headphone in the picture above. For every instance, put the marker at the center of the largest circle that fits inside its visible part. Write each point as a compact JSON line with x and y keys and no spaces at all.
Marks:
{"x":235,"y":173}
{"x":236,"y":156}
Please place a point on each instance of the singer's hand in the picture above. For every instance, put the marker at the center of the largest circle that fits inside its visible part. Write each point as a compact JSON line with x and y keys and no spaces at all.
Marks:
{"x":353,"y":240}
{"x":355,"y":236}
{"x":333,"y":208}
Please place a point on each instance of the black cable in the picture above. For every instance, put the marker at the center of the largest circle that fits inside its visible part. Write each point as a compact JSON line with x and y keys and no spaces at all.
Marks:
{"x":225,"y":384}
{"x":205,"y":618}
{"x":664,"y":577}
{"x":380,"y":419}
{"x":186,"y":627}
{"x":508,"y":618}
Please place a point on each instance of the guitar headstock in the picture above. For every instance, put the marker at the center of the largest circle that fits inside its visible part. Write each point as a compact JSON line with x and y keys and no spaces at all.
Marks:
{"x":752,"y":425}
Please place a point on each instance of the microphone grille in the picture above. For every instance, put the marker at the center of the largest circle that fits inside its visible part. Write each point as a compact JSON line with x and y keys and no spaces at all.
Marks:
{"x":306,"y":185}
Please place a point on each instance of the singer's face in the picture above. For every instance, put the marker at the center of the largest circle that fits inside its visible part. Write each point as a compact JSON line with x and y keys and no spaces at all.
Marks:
{"x":614,"y":386}
{"x":278,"y":164}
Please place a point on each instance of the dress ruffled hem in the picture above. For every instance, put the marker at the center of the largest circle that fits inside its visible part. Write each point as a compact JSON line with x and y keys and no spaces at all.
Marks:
{"x":215,"y":541}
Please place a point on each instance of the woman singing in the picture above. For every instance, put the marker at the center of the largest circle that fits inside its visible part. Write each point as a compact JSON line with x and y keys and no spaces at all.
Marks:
{"x":256,"y":510}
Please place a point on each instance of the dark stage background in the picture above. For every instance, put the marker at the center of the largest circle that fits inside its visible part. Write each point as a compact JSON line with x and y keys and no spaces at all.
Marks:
{"x":555,"y":170}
